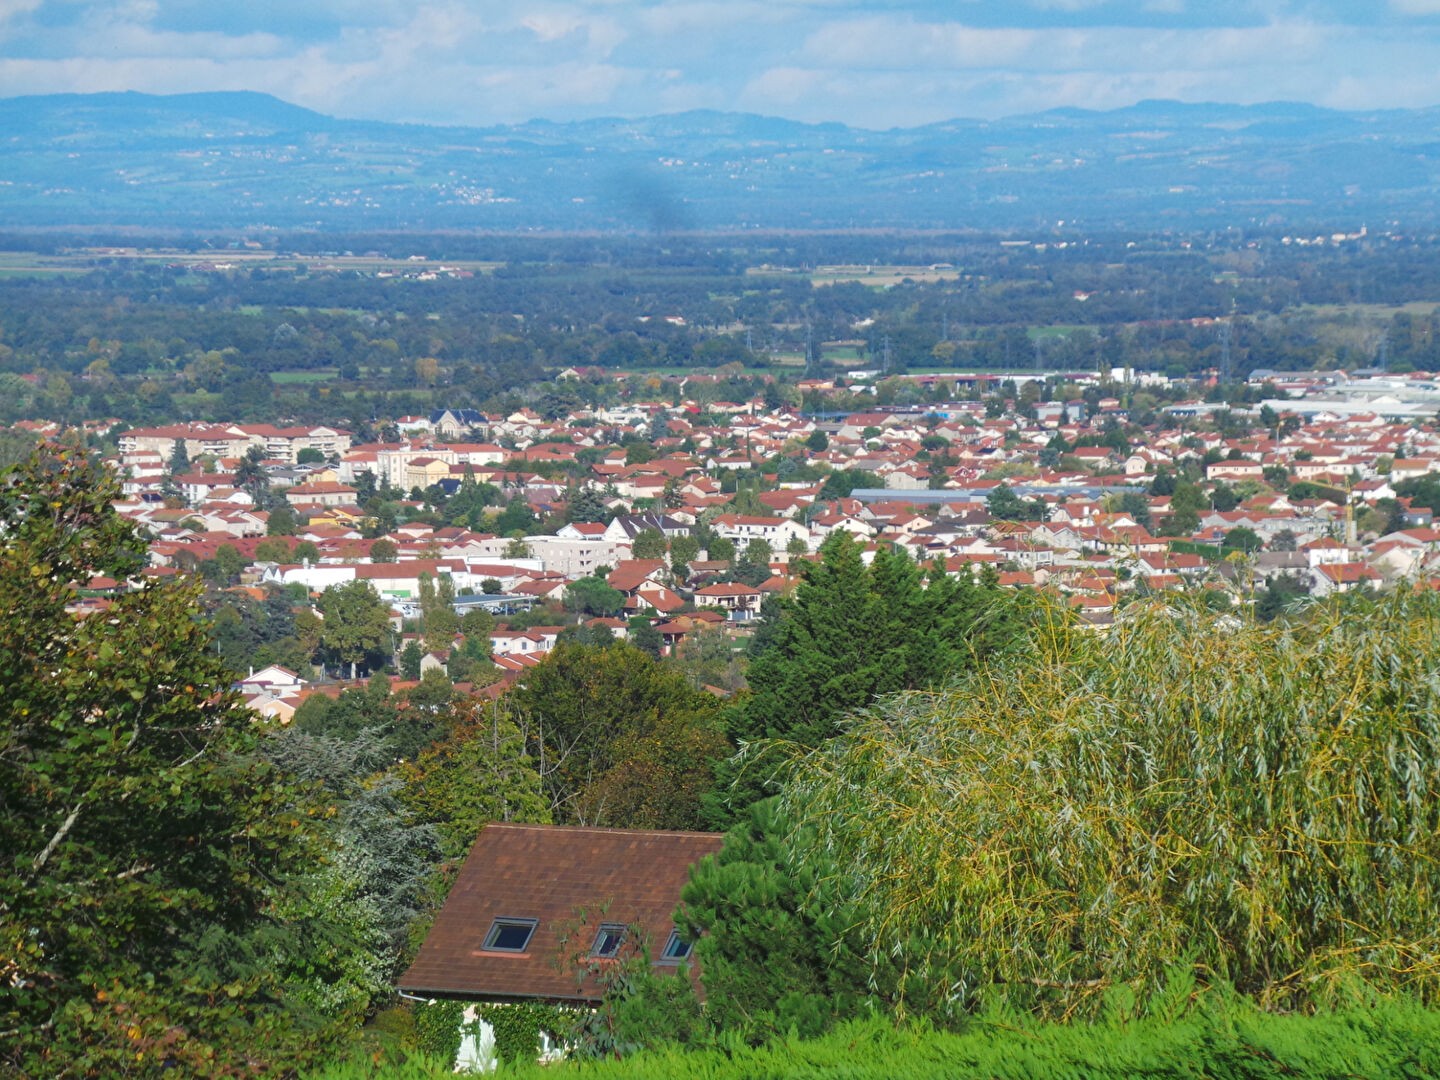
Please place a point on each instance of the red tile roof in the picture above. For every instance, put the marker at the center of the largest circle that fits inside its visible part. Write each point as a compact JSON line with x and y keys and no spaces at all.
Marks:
{"x":569,"y":879}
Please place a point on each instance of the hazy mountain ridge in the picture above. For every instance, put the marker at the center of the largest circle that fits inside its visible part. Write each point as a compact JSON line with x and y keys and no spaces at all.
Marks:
{"x":245,"y":160}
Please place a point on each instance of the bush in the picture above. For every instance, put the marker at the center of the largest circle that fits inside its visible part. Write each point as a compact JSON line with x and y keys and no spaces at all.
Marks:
{"x":1219,"y":1037}
{"x":1257,"y":799}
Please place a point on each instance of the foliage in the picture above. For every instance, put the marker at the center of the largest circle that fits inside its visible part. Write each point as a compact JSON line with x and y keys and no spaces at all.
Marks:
{"x":410,"y":657}
{"x":643,"y":636}
{"x":437,"y":611}
{"x":586,"y":504}
{"x":707,"y":657}
{"x":388,"y":856}
{"x":619,"y":738}
{"x":840,"y":483}
{"x":648,"y":544}
{"x":1422,"y":491}
{"x":639,"y":1008}
{"x":273,"y":549}
{"x":774,"y":935}
{"x":1213,"y":1035}
{"x":282,"y":520}
{"x":152,"y":894}
{"x":1004,"y":505}
{"x":1281,"y":593}
{"x":437,"y":1029}
{"x":1186,"y":788}
{"x":360,"y":1065}
{"x":357,"y":626}
{"x":593,"y":596}
{"x":478,"y":774}
{"x":1186,"y":503}
{"x":852,"y":632}
{"x":518,"y":1025}
{"x":252,"y":633}
{"x":1242,"y":538}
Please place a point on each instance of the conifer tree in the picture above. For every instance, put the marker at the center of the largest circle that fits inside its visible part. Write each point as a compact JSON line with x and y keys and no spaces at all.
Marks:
{"x":851,"y":633}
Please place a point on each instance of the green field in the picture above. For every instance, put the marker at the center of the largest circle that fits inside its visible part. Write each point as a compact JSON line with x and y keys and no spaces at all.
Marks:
{"x":882,"y":277}
{"x":875,"y":276}
{"x":287,"y":378}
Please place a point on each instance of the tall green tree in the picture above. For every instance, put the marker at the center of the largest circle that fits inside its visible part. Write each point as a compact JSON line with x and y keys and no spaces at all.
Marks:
{"x":388,"y":858}
{"x":282,"y":521}
{"x":853,"y":632}
{"x":619,"y":738}
{"x":586,"y":504}
{"x":251,"y":477}
{"x":649,"y":544}
{"x":1185,"y":506}
{"x":775,"y":934}
{"x":437,"y":611}
{"x":357,"y":626}
{"x":593,"y":596}
{"x":151,"y":899}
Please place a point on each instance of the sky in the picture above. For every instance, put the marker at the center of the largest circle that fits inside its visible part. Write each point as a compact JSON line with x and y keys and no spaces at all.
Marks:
{"x":869,"y":63}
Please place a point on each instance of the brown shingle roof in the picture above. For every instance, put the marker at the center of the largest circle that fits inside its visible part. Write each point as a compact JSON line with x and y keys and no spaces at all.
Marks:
{"x":570,"y":879}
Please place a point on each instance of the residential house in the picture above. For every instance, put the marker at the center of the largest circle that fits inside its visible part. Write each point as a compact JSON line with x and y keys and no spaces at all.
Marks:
{"x":740,"y":602}
{"x":741,"y":529}
{"x":535,"y":906}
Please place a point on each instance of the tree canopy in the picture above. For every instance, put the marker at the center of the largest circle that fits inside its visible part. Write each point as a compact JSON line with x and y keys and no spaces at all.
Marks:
{"x":357,"y":626}
{"x":619,"y":738}
{"x":152,"y":887}
{"x":853,"y":632}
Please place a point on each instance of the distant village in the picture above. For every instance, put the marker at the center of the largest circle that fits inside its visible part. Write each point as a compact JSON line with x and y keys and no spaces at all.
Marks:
{"x":1048,"y":495}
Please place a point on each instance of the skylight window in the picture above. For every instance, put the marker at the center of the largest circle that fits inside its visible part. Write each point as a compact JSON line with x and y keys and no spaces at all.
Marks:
{"x":510,"y":935}
{"x":676,"y":949}
{"x":608,"y":940}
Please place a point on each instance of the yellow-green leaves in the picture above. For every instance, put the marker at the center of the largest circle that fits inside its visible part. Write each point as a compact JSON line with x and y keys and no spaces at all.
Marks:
{"x":1258,"y":798}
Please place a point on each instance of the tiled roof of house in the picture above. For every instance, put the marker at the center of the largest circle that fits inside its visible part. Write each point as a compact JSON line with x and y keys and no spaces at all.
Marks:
{"x":569,"y":880}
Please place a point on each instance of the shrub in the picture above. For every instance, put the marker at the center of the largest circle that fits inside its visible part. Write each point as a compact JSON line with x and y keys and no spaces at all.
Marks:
{"x":1256,"y":799}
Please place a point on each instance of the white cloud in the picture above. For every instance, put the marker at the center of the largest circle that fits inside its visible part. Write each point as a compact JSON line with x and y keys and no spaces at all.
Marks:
{"x":903,"y":44}
{"x":872,"y":62}
{"x":882,"y":42}
{"x":10,"y":10}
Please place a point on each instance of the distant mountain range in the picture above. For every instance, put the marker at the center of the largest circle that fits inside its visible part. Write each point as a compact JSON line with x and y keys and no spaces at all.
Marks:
{"x":250,"y":161}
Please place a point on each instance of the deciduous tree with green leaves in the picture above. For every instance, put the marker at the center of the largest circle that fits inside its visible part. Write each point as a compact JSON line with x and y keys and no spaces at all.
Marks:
{"x":619,"y":738}
{"x":357,"y":626}
{"x":479,"y":773}
{"x":149,"y":881}
{"x":648,"y":544}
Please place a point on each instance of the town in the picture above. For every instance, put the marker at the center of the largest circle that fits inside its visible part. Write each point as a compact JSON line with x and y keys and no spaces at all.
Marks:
{"x":662,"y":517}
{"x":593,"y":659}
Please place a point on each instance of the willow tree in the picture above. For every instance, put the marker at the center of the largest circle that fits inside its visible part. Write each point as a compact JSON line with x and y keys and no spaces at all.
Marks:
{"x":1256,"y":800}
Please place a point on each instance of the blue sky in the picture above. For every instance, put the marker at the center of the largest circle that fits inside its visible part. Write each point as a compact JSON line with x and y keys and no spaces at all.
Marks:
{"x":871,"y":63}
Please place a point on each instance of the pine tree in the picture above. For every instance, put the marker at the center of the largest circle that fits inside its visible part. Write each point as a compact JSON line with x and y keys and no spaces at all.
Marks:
{"x":850,"y":634}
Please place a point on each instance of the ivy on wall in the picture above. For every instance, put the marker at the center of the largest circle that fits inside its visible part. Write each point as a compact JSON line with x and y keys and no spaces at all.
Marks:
{"x":517,"y":1027}
{"x":437,"y":1029}
{"x":440,"y":1027}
